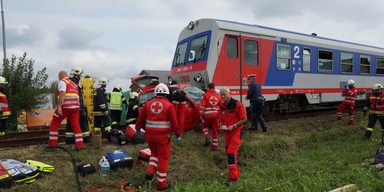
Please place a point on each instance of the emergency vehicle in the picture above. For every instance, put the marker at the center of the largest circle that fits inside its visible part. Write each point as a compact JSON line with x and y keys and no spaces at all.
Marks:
{"x":294,"y":69}
{"x":193,"y":97}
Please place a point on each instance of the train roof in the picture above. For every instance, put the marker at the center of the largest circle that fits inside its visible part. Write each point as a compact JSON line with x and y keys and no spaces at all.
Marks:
{"x":277,"y":34}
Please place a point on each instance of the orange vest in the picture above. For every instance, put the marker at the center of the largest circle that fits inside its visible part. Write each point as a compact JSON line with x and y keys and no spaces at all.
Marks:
{"x":4,"y":105}
{"x":376,"y":104}
{"x":71,"y":99}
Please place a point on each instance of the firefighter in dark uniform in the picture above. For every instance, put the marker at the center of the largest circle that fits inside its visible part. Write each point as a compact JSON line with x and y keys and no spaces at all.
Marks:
{"x":179,"y":99}
{"x":76,"y":73}
{"x":256,"y":100}
{"x":132,"y":112}
{"x":100,"y":107}
{"x":154,"y":82}
{"x":231,"y":119}
{"x":116,"y":99}
{"x":5,"y":110}
{"x":375,"y":103}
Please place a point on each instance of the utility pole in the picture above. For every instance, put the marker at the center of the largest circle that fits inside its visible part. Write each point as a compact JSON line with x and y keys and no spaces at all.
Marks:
{"x":2,"y":18}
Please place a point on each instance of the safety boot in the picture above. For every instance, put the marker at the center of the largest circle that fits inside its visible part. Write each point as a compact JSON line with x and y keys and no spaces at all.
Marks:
{"x":207,"y":141}
{"x":49,"y":147}
{"x":148,"y":176}
{"x":230,"y":181}
{"x":77,"y":149}
{"x":265,"y":129}
{"x":166,"y":187}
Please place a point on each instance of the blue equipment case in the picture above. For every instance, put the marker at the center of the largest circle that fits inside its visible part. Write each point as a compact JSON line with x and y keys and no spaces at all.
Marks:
{"x":119,"y":159}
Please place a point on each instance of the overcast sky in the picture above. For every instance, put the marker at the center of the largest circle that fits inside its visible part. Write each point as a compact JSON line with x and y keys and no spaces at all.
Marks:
{"x":117,"y":39}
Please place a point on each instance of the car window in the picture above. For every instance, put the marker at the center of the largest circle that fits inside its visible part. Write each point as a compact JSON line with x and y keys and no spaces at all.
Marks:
{"x":145,"y":97}
{"x":194,"y":93}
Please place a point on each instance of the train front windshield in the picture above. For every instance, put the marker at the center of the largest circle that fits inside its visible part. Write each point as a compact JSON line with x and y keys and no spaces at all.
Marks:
{"x":191,"y":53}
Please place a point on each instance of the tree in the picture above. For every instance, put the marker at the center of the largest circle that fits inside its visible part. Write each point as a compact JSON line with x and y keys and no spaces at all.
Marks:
{"x":25,"y":89}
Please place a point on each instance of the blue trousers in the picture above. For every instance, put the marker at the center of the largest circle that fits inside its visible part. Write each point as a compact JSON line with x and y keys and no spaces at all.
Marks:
{"x":257,"y":111}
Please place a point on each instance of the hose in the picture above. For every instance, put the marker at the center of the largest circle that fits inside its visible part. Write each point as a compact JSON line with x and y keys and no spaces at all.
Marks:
{"x":74,"y":167}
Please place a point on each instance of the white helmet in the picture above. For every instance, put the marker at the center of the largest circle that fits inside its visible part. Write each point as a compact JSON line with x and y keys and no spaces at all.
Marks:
{"x":76,"y":71}
{"x":376,"y":87}
{"x":103,"y":81}
{"x":351,"y":82}
{"x":2,"y":80}
{"x":134,"y":95}
{"x":161,"y":88}
{"x":118,"y":87}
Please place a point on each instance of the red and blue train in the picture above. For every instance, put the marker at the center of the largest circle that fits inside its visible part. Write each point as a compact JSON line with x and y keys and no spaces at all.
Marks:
{"x":294,"y":69}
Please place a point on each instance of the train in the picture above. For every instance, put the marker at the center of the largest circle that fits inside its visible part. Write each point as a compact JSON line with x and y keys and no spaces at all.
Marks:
{"x":295,"y":70}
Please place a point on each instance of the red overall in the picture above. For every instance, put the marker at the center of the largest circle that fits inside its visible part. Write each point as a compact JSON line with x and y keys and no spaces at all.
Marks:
{"x":209,"y":108}
{"x":349,"y":102}
{"x":160,"y":118}
{"x":229,"y":115}
{"x":70,"y":109}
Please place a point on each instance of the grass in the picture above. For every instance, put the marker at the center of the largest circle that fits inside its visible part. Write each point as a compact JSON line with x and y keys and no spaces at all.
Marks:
{"x":309,"y":154}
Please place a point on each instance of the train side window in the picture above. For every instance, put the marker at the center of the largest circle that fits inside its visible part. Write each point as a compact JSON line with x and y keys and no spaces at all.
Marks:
{"x":283,"y":57}
{"x":197,"y":48}
{"x":346,"y":63}
{"x":306,"y":59}
{"x":379,"y":66}
{"x":179,"y":57}
{"x":325,"y":62}
{"x":365,"y":64}
{"x":251,"y":53}
{"x":232,"y":48}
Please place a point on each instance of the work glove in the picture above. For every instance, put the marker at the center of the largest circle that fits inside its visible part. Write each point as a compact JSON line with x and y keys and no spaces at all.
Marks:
{"x":364,"y":111}
{"x":138,"y":132}
{"x":202,"y":120}
{"x":178,"y":139}
{"x":345,"y":88}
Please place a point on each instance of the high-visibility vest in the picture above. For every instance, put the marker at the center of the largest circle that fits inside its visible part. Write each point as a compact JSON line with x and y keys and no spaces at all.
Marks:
{"x":4,"y":105}
{"x":116,"y":102}
{"x":376,"y":104}
{"x":71,"y":99}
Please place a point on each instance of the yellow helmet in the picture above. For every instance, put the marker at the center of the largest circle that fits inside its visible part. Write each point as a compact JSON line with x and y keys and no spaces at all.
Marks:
{"x":103,"y":81}
{"x":134,"y":95}
{"x":118,"y":87}
{"x":76,"y":71}
{"x":2,"y":80}
{"x":376,"y":87}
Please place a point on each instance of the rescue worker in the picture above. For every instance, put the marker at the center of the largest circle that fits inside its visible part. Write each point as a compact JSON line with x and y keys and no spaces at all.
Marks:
{"x":154,"y":82}
{"x":209,"y":109}
{"x":132,"y":112}
{"x":75,"y":76}
{"x":231,"y":120}
{"x":375,"y":103}
{"x":116,"y":99}
{"x":160,"y":118}
{"x":349,"y":93}
{"x":100,"y":107}
{"x":5,"y":110}
{"x":179,"y":99}
{"x":68,"y":106}
{"x":255,"y":98}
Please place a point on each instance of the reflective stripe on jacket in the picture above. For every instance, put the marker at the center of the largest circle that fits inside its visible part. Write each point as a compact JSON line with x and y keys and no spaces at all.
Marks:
{"x":4,"y":105}
{"x":376,"y":104}
{"x":71,"y":99}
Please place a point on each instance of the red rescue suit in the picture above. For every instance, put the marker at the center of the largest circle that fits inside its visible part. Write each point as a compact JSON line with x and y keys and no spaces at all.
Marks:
{"x":229,"y":115}
{"x":209,"y":109}
{"x":349,"y":102}
{"x":70,"y":109}
{"x":160,"y":118}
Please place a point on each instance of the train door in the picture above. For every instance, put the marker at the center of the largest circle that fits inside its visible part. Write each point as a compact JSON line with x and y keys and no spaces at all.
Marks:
{"x":250,"y":61}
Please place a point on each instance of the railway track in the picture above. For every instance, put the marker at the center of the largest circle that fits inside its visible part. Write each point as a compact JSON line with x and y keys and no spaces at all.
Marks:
{"x":42,"y":136}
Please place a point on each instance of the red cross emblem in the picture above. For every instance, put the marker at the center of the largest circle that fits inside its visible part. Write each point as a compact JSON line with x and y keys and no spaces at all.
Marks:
{"x":156,"y":107}
{"x":213,"y":100}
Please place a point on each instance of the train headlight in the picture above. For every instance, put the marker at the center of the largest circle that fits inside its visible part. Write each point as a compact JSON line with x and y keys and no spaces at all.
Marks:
{"x":171,"y":81}
{"x":198,"y":77}
{"x":191,"y":25}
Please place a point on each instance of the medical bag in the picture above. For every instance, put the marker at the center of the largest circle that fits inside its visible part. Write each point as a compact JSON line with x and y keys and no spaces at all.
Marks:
{"x":133,"y":137}
{"x":86,"y":169}
{"x":118,"y":137}
{"x":5,"y":179}
{"x":119,"y":159}
{"x":144,"y":155}
{"x":20,"y":172}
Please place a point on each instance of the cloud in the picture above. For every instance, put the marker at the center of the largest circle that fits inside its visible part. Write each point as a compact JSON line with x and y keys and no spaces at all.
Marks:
{"x":78,"y":38}
{"x":24,"y":36}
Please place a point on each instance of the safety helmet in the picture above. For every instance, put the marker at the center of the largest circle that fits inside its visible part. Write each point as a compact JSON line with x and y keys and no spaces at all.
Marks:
{"x":76,"y":71}
{"x":2,"y":80}
{"x":161,"y":89}
{"x":103,"y":81}
{"x":118,"y":87}
{"x":376,"y":87}
{"x":351,"y":82}
{"x":134,"y":95}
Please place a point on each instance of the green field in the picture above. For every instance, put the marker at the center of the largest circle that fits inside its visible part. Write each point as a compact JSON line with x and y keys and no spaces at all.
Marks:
{"x":308,"y":154}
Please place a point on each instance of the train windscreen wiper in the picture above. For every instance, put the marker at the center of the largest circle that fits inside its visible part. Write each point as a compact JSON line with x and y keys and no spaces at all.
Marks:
{"x":202,"y":49}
